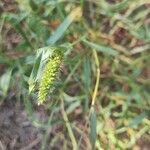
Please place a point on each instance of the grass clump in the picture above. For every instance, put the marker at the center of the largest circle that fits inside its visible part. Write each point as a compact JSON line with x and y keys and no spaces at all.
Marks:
{"x":103,"y":99}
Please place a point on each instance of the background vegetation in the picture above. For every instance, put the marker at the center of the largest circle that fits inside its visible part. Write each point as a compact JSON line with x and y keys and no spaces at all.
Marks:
{"x":101,"y":98}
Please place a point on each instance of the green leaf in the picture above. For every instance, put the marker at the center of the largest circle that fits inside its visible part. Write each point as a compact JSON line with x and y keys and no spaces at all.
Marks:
{"x":5,"y":81}
{"x":101,"y":48}
{"x":86,"y":76}
{"x":118,"y":6}
{"x":93,"y":126}
{"x":137,"y":120}
{"x":63,"y":26}
{"x":71,"y":108}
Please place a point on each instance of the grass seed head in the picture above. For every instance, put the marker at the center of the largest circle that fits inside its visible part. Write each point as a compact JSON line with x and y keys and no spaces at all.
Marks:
{"x":49,"y":75}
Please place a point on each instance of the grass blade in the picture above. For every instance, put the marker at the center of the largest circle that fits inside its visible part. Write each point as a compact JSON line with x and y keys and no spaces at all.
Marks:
{"x":63,"y":26}
{"x":101,"y":48}
{"x":93,"y":125}
{"x":5,"y":81}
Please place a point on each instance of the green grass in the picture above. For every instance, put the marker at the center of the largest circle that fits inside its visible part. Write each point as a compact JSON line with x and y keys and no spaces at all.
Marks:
{"x":101,"y":97}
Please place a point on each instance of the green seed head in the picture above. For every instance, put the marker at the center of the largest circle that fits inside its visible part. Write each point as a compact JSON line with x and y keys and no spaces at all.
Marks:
{"x":49,"y":75}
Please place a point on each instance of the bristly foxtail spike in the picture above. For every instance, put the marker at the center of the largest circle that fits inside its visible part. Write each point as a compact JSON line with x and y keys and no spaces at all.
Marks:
{"x":49,"y":75}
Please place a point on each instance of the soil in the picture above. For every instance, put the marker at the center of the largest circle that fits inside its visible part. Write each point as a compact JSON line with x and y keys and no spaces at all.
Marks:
{"x":16,"y":130}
